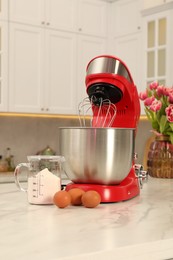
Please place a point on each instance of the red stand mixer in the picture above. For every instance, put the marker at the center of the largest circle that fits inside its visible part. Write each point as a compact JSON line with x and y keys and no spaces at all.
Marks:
{"x":114,"y":101}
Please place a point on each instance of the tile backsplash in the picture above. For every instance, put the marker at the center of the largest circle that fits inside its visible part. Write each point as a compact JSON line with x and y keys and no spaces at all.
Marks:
{"x":28,"y":135}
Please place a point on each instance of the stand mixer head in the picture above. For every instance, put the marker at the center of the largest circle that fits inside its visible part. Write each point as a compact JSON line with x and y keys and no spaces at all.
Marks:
{"x":108,"y":78}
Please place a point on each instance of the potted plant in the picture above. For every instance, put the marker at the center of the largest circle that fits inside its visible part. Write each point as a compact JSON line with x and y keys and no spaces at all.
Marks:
{"x":158,"y":102}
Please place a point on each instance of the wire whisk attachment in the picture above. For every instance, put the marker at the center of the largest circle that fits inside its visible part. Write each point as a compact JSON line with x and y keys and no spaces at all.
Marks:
{"x":102,"y":115}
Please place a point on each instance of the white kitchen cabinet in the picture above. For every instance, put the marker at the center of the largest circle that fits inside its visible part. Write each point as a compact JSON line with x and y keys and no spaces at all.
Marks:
{"x":3,"y":66}
{"x":26,"y":65}
{"x":3,"y":55}
{"x":128,"y":49}
{"x":52,"y":13}
{"x":3,"y":10}
{"x":83,"y":16}
{"x":27,"y":11}
{"x":125,"y":17}
{"x":61,"y":14}
{"x":157,"y":48}
{"x":41,"y":69}
{"x":49,"y":51}
{"x":88,"y":48}
{"x":125,"y":35}
{"x":92,"y":17}
{"x":60,"y":70}
{"x":47,"y":68}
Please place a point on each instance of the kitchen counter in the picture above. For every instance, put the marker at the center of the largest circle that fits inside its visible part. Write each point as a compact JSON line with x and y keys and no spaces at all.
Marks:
{"x":141,"y":228}
{"x":6,"y":177}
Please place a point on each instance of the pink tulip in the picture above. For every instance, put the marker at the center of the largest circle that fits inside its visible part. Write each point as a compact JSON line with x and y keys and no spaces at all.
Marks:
{"x":156,"y":105}
{"x":148,"y":101}
{"x":166,"y":91}
{"x":170,"y":97}
{"x":160,"y":91}
{"x":169,"y":113}
{"x":153,"y":85}
{"x":143,"y":95}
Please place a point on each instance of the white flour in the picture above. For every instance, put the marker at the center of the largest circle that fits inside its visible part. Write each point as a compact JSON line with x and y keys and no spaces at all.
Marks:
{"x":42,"y":187}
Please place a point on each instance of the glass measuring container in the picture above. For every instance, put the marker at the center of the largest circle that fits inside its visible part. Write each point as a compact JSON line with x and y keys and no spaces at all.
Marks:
{"x":43,"y":177}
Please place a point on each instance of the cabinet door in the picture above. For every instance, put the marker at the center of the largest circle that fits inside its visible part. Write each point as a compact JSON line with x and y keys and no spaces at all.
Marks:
{"x":4,"y":65}
{"x":61,"y":14}
{"x":88,"y":48}
{"x":60,"y":72}
{"x":125,"y":17}
{"x":3,"y":9}
{"x":129,"y":50}
{"x":27,"y":11}
{"x":158,"y":50}
{"x":92,"y":17}
{"x":26,"y":77}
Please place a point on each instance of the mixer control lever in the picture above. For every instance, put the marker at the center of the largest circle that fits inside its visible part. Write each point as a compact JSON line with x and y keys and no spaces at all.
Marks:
{"x":141,"y":174}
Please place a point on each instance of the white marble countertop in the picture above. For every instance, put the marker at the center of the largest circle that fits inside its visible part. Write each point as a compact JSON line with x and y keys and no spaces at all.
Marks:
{"x":141,"y":228}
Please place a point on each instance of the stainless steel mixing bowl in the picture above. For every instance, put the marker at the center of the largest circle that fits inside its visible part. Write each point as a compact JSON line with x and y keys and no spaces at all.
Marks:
{"x":97,"y":155}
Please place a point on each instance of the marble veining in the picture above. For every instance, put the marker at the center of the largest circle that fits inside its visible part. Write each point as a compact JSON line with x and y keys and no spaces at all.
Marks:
{"x":141,"y":227}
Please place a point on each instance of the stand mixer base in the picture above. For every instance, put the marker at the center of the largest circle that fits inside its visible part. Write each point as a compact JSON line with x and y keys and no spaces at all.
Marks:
{"x":127,"y":189}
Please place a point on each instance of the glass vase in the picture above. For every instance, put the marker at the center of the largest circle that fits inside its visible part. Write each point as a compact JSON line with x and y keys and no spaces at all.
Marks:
{"x":160,"y":158}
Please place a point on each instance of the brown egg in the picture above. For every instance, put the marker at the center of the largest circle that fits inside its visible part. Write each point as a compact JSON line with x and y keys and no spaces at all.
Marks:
{"x":91,"y":199}
{"x":76,"y":196}
{"x":62,"y":199}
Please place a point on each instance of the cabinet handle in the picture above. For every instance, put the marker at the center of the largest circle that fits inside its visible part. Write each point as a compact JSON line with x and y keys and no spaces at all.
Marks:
{"x":47,"y":23}
{"x":42,"y":22}
{"x":80,"y":29}
{"x":44,"y":109}
{"x":139,"y":27}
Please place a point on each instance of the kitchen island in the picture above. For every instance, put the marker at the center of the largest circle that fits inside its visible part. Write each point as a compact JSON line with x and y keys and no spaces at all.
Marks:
{"x":141,"y":228}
